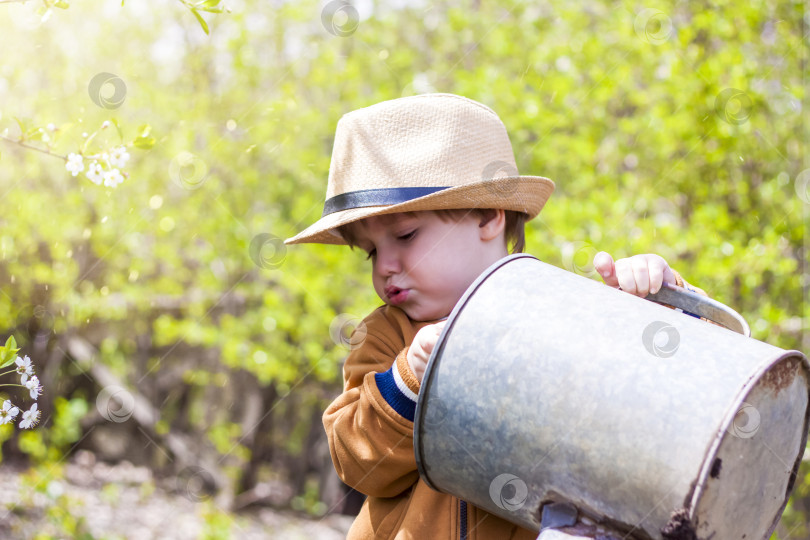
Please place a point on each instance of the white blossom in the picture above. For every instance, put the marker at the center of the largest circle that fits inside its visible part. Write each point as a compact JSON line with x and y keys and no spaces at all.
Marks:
{"x":112,"y":178}
{"x":34,"y":387}
{"x":8,"y":412}
{"x":24,"y":368}
{"x":30,"y":417}
{"x":74,"y":164}
{"x":119,"y":156}
{"x":94,"y":173}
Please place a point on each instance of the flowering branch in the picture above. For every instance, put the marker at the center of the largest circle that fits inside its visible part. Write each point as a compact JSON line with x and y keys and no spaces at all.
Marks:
{"x":29,"y":381}
{"x":196,"y":6}
{"x":21,"y":143}
{"x":104,"y":166}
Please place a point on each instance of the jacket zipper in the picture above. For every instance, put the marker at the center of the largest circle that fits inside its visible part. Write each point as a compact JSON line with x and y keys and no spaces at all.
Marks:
{"x":462,"y":519}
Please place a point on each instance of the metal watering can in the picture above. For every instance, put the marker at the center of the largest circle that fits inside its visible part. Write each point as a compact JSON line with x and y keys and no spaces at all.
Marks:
{"x":562,"y":404}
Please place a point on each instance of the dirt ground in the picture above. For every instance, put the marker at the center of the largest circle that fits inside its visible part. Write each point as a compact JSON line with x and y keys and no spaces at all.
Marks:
{"x":95,"y":501}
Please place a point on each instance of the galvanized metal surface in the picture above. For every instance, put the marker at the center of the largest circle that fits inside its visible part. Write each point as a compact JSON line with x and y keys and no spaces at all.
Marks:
{"x":752,"y":461}
{"x":549,"y":387}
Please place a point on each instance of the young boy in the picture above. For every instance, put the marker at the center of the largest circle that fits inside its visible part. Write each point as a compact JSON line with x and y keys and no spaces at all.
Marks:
{"x":414,"y":183}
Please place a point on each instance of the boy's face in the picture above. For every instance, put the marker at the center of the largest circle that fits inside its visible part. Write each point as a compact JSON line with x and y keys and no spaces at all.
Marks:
{"x":422,"y":264}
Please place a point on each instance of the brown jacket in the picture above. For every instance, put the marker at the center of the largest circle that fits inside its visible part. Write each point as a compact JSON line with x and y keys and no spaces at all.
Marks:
{"x":370,"y":432}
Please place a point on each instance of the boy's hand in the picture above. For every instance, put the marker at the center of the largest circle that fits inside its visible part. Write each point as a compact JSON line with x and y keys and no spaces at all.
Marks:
{"x":422,"y":346}
{"x":639,"y":274}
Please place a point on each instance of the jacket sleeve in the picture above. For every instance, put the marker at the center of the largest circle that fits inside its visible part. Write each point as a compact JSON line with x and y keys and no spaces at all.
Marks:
{"x":370,"y":425}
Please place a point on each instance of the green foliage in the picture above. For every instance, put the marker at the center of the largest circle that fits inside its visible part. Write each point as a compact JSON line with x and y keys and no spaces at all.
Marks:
{"x":218,"y":524}
{"x":65,"y":429}
{"x":8,"y":352}
{"x":211,"y":6}
{"x":6,"y":432}
{"x":630,"y":117}
{"x":144,"y":140}
{"x":309,"y":501}
{"x":33,"y":444}
{"x":66,"y":523}
{"x":50,"y":444}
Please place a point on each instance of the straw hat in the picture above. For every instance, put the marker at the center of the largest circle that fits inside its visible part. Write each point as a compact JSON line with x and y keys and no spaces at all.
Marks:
{"x":425,"y":152}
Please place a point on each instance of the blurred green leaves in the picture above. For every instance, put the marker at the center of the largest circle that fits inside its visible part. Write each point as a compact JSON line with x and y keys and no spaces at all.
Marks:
{"x":8,"y":352}
{"x":144,"y":140}
{"x":680,"y":131}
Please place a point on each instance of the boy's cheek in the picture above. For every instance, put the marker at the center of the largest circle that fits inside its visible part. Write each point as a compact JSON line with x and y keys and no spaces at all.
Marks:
{"x":380,"y":292}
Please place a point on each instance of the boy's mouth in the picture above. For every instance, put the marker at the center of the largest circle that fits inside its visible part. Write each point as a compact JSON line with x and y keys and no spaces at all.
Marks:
{"x":396,"y":295}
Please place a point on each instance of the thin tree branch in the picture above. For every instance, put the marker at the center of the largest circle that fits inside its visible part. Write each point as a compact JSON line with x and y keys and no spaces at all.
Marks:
{"x":20,"y":143}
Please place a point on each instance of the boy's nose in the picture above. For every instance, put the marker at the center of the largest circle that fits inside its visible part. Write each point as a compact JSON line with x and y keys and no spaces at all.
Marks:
{"x":388,"y":263}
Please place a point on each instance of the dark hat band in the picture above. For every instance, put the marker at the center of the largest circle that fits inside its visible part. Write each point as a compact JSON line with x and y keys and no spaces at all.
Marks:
{"x":376,"y":197}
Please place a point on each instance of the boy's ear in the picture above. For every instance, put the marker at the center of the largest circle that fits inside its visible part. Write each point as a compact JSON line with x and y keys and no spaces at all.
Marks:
{"x":493,"y":223}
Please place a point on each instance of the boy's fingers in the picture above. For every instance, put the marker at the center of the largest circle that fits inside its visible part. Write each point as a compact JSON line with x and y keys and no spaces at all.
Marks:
{"x":429,"y":339}
{"x":437,"y":329}
{"x":603,"y":263}
{"x":656,"y":277}
{"x":669,"y":275}
{"x":624,"y":276}
{"x":428,"y":345}
{"x":641,"y":275}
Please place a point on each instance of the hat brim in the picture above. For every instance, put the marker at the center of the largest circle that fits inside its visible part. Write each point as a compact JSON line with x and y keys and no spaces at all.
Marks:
{"x":527,"y":194}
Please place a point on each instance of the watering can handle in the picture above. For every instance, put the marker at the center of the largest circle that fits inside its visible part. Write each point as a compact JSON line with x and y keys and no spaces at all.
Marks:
{"x":698,"y":305}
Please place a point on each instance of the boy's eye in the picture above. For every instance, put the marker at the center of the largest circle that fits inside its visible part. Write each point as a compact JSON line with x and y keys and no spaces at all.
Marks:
{"x":408,"y":236}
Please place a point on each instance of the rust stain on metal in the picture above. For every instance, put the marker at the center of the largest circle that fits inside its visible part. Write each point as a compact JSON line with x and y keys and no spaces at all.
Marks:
{"x":716,"y":466}
{"x":679,"y":527}
{"x":781,"y":375}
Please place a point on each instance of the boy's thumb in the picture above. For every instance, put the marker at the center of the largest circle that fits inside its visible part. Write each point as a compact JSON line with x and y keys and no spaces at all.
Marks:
{"x":603,"y":263}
